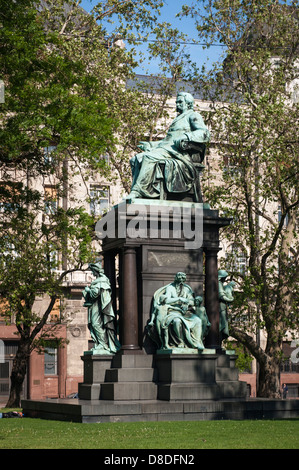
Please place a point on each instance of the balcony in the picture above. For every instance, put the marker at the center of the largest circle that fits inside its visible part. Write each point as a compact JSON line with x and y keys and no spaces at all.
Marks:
{"x":76,"y":278}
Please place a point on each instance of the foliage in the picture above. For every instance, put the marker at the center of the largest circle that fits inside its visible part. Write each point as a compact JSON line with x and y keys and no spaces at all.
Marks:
{"x":50,"y":98}
{"x":52,"y":101}
{"x":244,"y":359}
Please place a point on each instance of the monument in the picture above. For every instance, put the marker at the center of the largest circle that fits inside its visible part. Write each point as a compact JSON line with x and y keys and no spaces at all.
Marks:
{"x":174,"y":325}
{"x":167,"y":165}
{"x":158,"y":313}
{"x":160,"y":249}
{"x":101,"y":317}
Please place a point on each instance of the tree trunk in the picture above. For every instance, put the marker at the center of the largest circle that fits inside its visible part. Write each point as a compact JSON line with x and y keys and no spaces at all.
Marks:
{"x":268,"y":360}
{"x":18,"y":374}
{"x":269,"y":379}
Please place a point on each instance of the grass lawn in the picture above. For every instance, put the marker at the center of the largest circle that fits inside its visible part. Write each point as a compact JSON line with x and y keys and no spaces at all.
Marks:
{"x":28,"y":433}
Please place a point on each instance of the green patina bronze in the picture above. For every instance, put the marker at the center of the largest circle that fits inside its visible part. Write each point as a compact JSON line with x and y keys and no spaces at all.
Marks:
{"x":225,"y":299}
{"x":174,"y":322}
{"x":101,"y":317}
{"x":169,"y":160}
{"x":202,"y":314}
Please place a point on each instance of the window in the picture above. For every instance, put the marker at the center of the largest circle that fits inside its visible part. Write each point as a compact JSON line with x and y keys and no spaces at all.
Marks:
{"x":290,"y":351}
{"x":99,"y":199}
{"x":55,"y":312}
{"x":51,"y":257}
{"x":2,"y":350}
{"x":50,"y":357}
{"x":47,"y":154}
{"x":8,"y":352}
{"x":4,"y":318}
{"x":231,"y":168}
{"x":286,"y":220}
{"x":237,"y":259}
{"x":2,"y":88}
{"x":8,"y":249}
{"x":50,"y":199}
{"x":10,"y":197}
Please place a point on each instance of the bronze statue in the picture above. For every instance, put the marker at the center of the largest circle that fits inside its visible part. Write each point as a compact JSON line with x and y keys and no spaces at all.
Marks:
{"x":101,"y":317}
{"x":169,"y":160}
{"x":225,"y":298}
{"x":202,"y":314}
{"x":174,"y":323}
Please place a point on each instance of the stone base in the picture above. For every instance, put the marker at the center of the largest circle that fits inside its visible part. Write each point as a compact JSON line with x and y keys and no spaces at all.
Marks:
{"x":94,"y":375}
{"x":198,"y":377}
{"x":107,"y":411}
{"x":164,"y":387}
{"x":169,"y":375}
{"x":119,"y":377}
{"x":186,"y":351}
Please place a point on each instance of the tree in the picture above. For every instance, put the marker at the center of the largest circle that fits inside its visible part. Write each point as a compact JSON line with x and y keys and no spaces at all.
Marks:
{"x":254,"y":115}
{"x":50,"y":101}
{"x":66,"y":105}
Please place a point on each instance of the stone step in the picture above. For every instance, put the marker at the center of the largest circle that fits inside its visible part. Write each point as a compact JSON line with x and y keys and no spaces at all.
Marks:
{"x":148,"y":411}
{"x":226,"y":360}
{"x":89,"y":391}
{"x":129,"y":391}
{"x":236,"y":389}
{"x":226,"y":374}
{"x":188,"y":391}
{"x":132,"y":361}
{"x":129,"y":375}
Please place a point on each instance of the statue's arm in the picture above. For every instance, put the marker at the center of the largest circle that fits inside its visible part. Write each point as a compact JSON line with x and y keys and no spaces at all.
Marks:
{"x":222,"y":294}
{"x":199,"y":131}
{"x":94,"y":292}
{"x":172,"y":298}
{"x":169,"y":297}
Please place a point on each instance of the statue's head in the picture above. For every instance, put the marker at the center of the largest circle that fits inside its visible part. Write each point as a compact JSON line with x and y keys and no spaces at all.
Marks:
{"x":222,"y":274}
{"x":96,"y":268}
{"x":198,"y":300}
{"x":189,"y":100}
{"x":180,"y":277}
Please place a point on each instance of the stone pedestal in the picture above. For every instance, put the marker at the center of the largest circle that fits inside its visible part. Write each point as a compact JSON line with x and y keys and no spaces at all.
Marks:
{"x":166,"y":376}
{"x":94,"y":370}
{"x":198,"y":377}
{"x":119,"y":377}
{"x":147,"y":242}
{"x":131,"y":377}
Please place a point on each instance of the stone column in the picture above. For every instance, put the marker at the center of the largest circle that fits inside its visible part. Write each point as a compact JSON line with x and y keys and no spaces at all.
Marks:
{"x":212,"y":298}
{"x":129,"y":319}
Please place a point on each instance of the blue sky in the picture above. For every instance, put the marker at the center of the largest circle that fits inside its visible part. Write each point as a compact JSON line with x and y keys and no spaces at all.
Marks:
{"x":198,"y":54}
